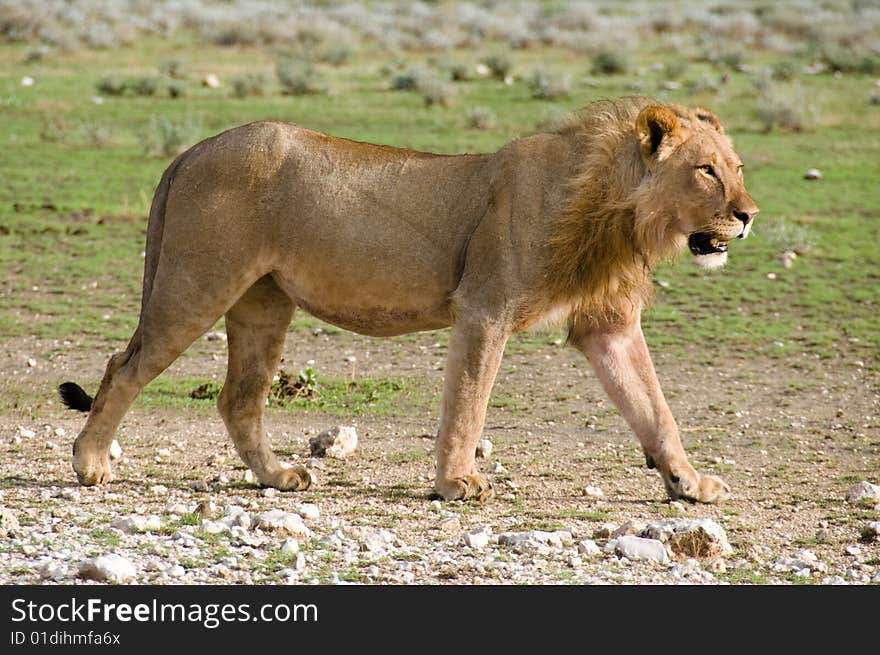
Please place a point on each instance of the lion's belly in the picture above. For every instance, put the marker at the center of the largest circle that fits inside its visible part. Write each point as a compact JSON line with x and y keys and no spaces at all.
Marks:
{"x":374,"y":303}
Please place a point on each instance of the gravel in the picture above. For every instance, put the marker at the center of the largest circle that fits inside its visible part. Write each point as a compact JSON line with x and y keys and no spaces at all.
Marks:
{"x":8,"y":523}
{"x":369,"y":521}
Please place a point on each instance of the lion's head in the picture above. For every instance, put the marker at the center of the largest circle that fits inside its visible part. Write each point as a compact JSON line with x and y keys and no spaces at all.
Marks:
{"x":694,"y":180}
{"x":654,"y":180}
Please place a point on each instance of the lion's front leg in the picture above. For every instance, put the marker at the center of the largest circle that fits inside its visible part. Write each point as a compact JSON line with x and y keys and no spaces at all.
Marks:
{"x":475,"y":350}
{"x":620,"y":357}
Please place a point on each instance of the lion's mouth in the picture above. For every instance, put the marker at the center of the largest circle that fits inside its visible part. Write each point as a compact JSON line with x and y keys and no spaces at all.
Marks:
{"x":703,"y":243}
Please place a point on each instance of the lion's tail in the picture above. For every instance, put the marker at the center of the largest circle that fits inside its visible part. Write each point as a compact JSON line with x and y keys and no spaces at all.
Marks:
{"x":73,"y":396}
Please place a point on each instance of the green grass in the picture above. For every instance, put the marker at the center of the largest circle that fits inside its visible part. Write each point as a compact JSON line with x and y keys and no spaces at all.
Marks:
{"x":72,"y":214}
{"x":384,"y":396}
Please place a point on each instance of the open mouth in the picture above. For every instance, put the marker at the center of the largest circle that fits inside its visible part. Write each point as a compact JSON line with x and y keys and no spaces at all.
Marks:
{"x":702,"y":243}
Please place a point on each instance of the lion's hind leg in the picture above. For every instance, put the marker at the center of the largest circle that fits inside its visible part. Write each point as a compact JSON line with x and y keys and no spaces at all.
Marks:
{"x":256,"y":326}
{"x":177,"y":312}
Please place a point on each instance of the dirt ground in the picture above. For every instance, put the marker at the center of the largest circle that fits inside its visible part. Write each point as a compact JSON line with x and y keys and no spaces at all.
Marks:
{"x":789,"y":435}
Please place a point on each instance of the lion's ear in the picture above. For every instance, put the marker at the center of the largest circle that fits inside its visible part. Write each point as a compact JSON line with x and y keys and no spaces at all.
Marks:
{"x":708,"y":117}
{"x":654,"y":127}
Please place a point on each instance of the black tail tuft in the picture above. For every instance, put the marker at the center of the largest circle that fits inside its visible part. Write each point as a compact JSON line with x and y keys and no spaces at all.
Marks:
{"x":74,"y":397}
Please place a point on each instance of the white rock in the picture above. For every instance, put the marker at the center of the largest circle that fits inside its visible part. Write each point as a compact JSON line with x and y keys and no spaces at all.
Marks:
{"x":31,"y":362}
{"x":175,"y":571}
{"x":309,"y":511}
{"x":136,"y":524}
{"x":27,"y":80}
{"x":107,"y":568}
{"x":240,"y":535}
{"x":179,"y":509}
{"x":115,"y":450}
{"x":164,"y":453}
{"x":373,"y":540}
{"x":290,"y":546}
{"x":589,"y":547}
{"x":299,"y":562}
{"x":278,"y":520}
{"x":237,"y":519}
{"x":9,"y":525}
{"x":484,"y":448}
{"x":215,"y":336}
{"x":863,"y":494}
{"x":813,"y":174}
{"x":338,"y":442}
{"x":214,"y":527}
{"x":211,"y":81}
{"x":498,"y":468}
{"x":158,"y":490}
{"x":637,"y":548}
{"x":450,"y":524}
{"x":871,"y":531}
{"x":269,"y":492}
{"x":593,"y":492}
{"x":26,"y":433}
{"x":70,"y":494}
{"x":199,"y":485}
{"x":800,"y":562}
{"x":691,"y":537}
{"x":53,"y":570}
{"x":248,"y":476}
{"x":477,"y":539}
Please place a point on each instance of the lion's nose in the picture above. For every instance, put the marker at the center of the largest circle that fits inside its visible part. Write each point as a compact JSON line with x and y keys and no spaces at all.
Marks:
{"x":745,"y":216}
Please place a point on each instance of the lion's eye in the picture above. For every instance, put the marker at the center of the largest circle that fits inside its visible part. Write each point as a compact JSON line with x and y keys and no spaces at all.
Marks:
{"x":707,"y":170}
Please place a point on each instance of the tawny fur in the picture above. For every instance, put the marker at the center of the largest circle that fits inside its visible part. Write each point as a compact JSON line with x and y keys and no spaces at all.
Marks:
{"x":268,"y":217}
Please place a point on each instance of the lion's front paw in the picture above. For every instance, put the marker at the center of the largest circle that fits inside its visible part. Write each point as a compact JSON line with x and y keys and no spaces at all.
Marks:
{"x":91,"y":468}
{"x":712,"y":489}
{"x":474,"y":485}
{"x":697,"y":488}
{"x":295,"y":478}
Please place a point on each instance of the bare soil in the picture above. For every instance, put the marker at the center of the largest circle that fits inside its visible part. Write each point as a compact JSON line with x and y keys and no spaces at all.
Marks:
{"x":790,"y":435}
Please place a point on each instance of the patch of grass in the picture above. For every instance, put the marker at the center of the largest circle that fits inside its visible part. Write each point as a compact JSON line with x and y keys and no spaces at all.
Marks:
{"x":105,"y":537}
{"x":746,"y":576}
{"x":411,"y":455}
{"x":585,"y":515}
{"x":374,"y":396}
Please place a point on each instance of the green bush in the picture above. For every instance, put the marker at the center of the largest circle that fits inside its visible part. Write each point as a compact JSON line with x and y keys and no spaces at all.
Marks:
{"x":609,"y":62}
{"x":249,"y":84}
{"x":299,"y":77}
{"x":549,"y":86}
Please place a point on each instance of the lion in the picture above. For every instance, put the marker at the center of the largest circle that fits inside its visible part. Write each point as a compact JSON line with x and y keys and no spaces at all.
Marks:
{"x":267,"y":217}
